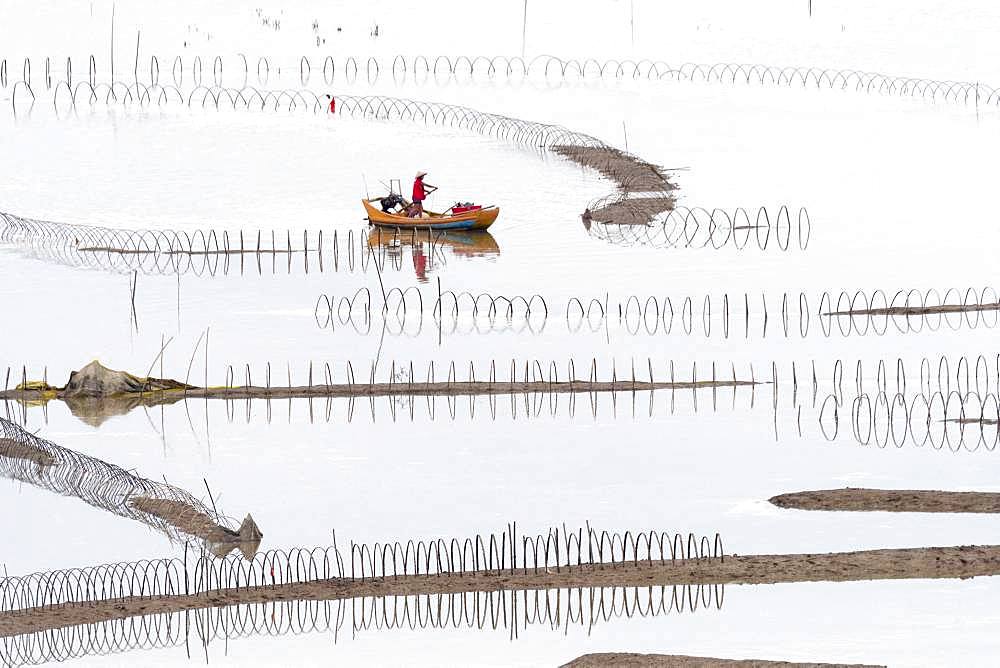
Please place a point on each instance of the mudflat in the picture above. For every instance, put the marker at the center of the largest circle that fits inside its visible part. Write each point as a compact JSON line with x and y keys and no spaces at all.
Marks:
{"x":621,"y":660}
{"x":891,"y":500}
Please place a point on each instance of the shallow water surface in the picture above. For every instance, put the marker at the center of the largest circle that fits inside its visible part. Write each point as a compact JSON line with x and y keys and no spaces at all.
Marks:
{"x":840,"y":202}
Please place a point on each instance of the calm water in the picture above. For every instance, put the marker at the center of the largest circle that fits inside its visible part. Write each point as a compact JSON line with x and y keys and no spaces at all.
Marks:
{"x":898,"y":193}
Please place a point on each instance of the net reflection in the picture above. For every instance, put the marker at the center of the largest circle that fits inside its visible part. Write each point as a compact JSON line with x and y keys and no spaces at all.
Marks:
{"x":513,"y":612}
{"x":951,"y":421}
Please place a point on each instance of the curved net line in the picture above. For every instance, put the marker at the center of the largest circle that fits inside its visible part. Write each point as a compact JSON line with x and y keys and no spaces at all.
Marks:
{"x":27,"y":458}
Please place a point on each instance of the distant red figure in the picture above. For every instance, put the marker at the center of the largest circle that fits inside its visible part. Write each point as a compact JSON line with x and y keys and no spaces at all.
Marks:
{"x":333,"y":104}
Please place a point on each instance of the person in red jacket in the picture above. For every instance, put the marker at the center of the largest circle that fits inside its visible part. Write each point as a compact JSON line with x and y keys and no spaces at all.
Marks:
{"x":420,"y":192}
{"x":333,"y":104}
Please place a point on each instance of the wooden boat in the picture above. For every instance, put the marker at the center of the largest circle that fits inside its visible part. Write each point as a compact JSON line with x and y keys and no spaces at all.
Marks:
{"x":474,"y":219}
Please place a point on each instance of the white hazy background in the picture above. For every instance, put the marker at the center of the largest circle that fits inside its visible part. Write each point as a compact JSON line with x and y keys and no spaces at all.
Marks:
{"x":924,"y":38}
{"x":900,"y":191}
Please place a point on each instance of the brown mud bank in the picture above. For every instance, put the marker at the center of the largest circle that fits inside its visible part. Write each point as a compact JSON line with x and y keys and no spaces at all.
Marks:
{"x":96,"y":384}
{"x":631,"y":175}
{"x":893,"y":564}
{"x":628,"y":172}
{"x":623,"y":660}
{"x":978,"y":420}
{"x":13,"y":449}
{"x":890,"y":500}
{"x":168,"y":509}
{"x":918,"y":310}
{"x":632,"y":211}
{"x":194,"y":522}
{"x":457,"y":388}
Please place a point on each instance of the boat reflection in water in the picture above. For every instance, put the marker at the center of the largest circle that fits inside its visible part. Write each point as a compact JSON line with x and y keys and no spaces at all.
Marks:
{"x":429,"y":250}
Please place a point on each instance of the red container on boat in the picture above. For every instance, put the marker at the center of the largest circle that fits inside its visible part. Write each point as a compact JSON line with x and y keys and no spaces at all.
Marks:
{"x":465,"y":209}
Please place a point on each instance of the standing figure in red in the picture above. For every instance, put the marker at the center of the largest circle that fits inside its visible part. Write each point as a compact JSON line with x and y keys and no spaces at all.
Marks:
{"x":420,"y":192}
{"x":333,"y":104}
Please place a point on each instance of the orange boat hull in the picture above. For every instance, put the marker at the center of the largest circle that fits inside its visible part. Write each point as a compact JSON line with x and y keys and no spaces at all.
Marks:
{"x":480,"y":219}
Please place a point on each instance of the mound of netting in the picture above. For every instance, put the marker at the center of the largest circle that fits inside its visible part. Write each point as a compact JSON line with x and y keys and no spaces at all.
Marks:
{"x":96,"y":380}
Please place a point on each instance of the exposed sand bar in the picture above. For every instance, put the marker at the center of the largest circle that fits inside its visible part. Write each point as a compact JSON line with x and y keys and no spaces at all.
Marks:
{"x":920,"y":310}
{"x":225,"y":251}
{"x":166,"y":508}
{"x":455,"y":388}
{"x":25,"y":451}
{"x":891,"y":500}
{"x":896,"y":564}
{"x":634,"y":211}
{"x":630,"y":173}
{"x":621,"y":660}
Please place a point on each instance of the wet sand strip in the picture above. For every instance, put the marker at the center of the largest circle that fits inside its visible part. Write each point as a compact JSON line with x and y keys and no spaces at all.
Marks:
{"x":168,"y":509}
{"x":622,"y":660}
{"x":629,"y":173}
{"x":919,"y":310}
{"x":17,"y":450}
{"x":891,"y":500}
{"x":635,"y":211}
{"x":455,"y":388}
{"x":224,"y":251}
{"x":893,"y":564}
{"x":978,"y":420}
{"x":191,"y":520}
